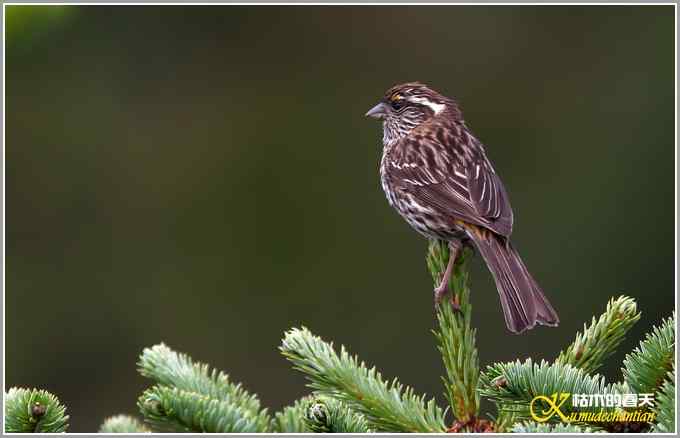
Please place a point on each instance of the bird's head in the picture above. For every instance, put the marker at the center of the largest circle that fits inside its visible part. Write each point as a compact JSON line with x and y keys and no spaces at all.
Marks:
{"x":406,"y":106}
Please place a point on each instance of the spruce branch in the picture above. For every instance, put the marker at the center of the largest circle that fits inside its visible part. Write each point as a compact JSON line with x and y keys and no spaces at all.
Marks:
{"x":620,"y":388}
{"x":176,"y":370}
{"x":178,"y":410}
{"x":513,"y":385}
{"x":533,"y":427}
{"x":34,"y":410}
{"x":456,"y":337}
{"x":122,"y":424}
{"x":599,"y":340}
{"x":328,"y":415}
{"x":387,"y":407}
{"x":664,"y":406}
{"x":505,"y":418}
{"x":291,"y":419}
{"x":646,"y":368}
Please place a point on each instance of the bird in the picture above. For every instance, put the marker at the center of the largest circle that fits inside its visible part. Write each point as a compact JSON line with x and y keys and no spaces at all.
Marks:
{"x":435,"y":173}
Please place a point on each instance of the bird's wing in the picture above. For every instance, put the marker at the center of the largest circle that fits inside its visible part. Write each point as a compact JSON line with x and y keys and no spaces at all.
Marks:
{"x":453,"y":181}
{"x":489,"y":196}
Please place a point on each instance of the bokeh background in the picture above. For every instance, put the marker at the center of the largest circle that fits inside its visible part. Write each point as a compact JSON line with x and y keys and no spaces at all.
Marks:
{"x":204,"y":176}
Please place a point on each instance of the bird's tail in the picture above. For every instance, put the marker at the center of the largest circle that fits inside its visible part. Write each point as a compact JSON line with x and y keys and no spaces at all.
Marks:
{"x":522,"y":300}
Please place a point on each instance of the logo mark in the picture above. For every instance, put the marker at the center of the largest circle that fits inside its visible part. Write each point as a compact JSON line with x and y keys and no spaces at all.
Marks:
{"x":554,"y":402}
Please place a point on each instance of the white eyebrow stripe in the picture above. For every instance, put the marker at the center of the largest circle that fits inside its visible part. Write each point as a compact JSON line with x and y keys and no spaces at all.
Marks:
{"x":436,"y":107}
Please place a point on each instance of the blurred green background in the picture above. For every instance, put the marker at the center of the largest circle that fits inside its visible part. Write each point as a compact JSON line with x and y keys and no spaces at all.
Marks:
{"x":204,"y":176}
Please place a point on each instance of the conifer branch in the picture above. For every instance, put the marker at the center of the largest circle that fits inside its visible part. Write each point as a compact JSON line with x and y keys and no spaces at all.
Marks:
{"x":646,"y":368}
{"x":505,"y":418}
{"x":513,"y":385}
{"x":178,"y":410}
{"x":170,"y":368}
{"x":533,"y":427}
{"x":456,"y":337}
{"x":599,"y":340}
{"x":122,"y":424}
{"x":178,"y":371}
{"x":621,"y":388}
{"x":291,"y":419}
{"x":328,"y":415}
{"x":33,"y":410}
{"x":387,"y":407}
{"x":351,"y":398}
{"x":664,"y":407}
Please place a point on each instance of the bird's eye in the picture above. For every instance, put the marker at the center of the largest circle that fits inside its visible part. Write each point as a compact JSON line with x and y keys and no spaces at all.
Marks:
{"x":398,"y":104}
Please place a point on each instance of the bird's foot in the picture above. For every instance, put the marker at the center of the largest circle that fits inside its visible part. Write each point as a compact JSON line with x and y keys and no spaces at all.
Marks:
{"x":440,"y":291}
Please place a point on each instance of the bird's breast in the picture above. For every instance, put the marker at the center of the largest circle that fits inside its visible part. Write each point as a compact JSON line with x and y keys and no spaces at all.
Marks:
{"x":386,"y":182}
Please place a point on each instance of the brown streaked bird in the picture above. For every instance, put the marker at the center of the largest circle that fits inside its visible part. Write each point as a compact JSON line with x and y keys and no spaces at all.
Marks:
{"x":436,"y":174}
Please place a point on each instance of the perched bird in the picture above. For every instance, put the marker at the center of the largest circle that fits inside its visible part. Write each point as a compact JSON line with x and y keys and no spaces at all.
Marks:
{"x":435,"y":173}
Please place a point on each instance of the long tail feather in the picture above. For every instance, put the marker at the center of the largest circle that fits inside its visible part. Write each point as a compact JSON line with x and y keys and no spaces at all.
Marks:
{"x":523,"y":302}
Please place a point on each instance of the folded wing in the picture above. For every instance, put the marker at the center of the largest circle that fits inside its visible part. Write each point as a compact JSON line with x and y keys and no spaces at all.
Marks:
{"x":454,"y":182}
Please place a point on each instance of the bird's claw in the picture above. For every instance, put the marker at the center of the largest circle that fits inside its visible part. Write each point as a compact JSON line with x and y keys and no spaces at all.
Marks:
{"x":439,"y":293}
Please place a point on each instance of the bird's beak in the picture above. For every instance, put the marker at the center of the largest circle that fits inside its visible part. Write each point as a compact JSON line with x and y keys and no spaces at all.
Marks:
{"x":377,"y":112}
